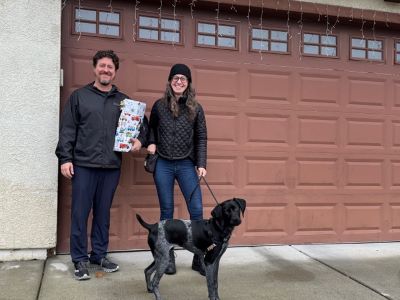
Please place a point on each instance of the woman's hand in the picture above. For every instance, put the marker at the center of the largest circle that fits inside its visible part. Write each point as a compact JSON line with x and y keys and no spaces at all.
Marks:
{"x":201,"y":172}
{"x":151,"y":148}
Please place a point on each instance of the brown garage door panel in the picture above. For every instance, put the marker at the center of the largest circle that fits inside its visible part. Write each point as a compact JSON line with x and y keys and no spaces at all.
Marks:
{"x":394,"y":216}
{"x":312,"y":144}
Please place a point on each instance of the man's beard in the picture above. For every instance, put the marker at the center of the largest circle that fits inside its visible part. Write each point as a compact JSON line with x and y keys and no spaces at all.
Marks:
{"x":105,"y":82}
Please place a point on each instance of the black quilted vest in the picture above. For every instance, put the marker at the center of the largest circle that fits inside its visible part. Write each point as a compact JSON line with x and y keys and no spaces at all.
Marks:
{"x":179,"y":137}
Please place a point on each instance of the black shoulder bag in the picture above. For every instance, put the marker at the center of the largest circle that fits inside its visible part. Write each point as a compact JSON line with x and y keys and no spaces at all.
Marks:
{"x":150,"y":162}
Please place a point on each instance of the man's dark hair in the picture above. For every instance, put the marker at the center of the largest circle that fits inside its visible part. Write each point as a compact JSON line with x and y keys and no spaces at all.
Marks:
{"x":106,"y":53}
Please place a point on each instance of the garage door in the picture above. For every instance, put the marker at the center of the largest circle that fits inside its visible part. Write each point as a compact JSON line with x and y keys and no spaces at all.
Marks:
{"x":310,"y":140}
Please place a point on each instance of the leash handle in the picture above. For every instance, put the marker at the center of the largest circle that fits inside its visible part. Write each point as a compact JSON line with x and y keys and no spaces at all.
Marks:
{"x":198,"y":185}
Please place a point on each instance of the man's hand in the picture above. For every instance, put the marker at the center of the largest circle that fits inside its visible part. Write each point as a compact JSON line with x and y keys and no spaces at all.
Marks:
{"x":136,"y":145}
{"x":67,"y":170}
{"x":151,"y":148}
{"x":201,"y":172}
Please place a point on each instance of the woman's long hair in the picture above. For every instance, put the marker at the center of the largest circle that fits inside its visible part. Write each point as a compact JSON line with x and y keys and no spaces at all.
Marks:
{"x":172,"y":101}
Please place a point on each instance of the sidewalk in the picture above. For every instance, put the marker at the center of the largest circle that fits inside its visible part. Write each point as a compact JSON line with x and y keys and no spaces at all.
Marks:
{"x":298,"y":272}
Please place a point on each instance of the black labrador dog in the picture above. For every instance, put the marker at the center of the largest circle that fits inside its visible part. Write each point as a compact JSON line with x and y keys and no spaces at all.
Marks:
{"x":206,"y":238}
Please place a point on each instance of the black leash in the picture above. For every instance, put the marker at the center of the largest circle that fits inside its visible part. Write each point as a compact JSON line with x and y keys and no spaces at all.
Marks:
{"x":214,"y":243}
{"x":198,"y":184}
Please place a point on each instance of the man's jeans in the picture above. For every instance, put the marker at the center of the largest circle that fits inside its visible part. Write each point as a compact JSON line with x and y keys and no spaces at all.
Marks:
{"x":183,"y":170}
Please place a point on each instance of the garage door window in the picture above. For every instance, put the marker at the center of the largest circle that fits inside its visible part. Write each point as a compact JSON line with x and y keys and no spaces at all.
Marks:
{"x":216,"y":35}
{"x":365,"y":49}
{"x":162,"y":30}
{"x":320,"y":45}
{"x":397,"y":52}
{"x":97,"y":23}
{"x":267,"y":40}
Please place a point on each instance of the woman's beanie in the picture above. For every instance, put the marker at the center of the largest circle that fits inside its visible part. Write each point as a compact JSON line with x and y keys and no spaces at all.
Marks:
{"x":180,"y":69}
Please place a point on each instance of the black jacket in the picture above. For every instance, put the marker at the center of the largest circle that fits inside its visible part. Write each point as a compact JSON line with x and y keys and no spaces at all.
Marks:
{"x":179,"y":137}
{"x":88,"y":126}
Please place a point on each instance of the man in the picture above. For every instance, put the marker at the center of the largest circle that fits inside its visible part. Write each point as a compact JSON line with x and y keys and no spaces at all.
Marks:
{"x":85,"y":151}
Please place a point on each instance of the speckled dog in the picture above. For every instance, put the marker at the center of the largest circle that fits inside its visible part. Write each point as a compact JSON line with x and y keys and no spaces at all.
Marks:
{"x":206,"y":238}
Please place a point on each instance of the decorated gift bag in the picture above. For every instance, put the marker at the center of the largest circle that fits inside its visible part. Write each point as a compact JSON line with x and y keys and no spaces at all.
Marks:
{"x":132,"y":113}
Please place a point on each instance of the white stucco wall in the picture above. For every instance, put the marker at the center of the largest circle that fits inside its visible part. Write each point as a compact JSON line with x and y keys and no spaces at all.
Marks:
{"x":29,"y":111}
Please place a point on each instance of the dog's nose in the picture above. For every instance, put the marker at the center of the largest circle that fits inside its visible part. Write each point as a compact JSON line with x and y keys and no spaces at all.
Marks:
{"x":236,"y":222}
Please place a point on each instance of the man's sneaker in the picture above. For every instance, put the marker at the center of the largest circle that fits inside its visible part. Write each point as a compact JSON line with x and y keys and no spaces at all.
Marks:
{"x":81,"y":270}
{"x":107,"y":265}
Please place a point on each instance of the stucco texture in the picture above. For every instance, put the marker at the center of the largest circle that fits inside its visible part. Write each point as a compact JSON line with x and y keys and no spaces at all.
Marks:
{"x":29,"y":112}
{"x":375,"y":5}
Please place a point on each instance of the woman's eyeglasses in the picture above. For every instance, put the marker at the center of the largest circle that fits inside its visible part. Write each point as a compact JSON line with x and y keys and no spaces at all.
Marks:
{"x":183,"y":79}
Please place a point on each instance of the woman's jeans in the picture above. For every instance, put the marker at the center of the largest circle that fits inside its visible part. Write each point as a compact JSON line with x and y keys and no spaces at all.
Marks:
{"x":183,"y":170}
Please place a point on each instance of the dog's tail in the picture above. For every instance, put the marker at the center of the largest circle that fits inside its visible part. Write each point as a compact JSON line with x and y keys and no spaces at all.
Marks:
{"x":149,"y":227}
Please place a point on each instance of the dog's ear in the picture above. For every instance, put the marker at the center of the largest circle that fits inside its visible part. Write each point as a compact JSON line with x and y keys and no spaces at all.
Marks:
{"x":241,"y":203}
{"x":217,"y":212}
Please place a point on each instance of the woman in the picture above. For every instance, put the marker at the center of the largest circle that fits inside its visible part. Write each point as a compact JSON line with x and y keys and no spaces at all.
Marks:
{"x":178,"y":133}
